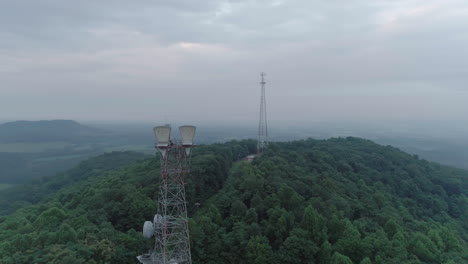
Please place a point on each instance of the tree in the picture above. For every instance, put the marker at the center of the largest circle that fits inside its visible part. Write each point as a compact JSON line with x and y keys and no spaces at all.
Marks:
{"x":251,"y":216}
{"x":297,"y":248}
{"x":313,"y":222}
{"x":366,"y":260}
{"x":391,"y":228}
{"x":238,"y":208}
{"x":259,"y":251}
{"x":350,"y":243}
{"x":279,"y":224}
{"x":338,"y":258}
{"x":325,"y":252}
{"x":424,"y":248}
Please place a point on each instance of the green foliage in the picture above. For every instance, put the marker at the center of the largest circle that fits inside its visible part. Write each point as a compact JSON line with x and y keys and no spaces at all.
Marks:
{"x":366,"y":260}
{"x":90,"y":214}
{"x":340,"y":201}
{"x":337,"y":201}
{"x":39,"y":189}
{"x":298,"y":248}
{"x":314,"y":223}
{"x":337,"y":258}
{"x":258,"y":251}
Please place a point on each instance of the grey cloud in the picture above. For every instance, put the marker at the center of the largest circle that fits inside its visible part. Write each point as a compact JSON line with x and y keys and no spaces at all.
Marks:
{"x":54,"y":23}
{"x":315,"y":52}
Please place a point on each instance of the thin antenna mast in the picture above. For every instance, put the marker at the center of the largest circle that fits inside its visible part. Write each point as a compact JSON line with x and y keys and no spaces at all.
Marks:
{"x":262,"y":124}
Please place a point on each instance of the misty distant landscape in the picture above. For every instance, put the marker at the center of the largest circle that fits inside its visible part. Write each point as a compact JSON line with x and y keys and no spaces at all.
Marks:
{"x":34,"y":149}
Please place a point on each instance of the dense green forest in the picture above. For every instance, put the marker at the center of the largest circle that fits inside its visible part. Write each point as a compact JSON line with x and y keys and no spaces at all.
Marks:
{"x":337,"y":201}
{"x":39,"y":189}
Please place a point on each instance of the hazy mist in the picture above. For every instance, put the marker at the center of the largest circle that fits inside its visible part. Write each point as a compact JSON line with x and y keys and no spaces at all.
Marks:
{"x":199,"y":61}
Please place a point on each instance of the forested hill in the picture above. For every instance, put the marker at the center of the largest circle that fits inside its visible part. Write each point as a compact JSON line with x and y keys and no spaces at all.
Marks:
{"x":46,"y":130}
{"x":39,"y":189}
{"x":337,"y":201}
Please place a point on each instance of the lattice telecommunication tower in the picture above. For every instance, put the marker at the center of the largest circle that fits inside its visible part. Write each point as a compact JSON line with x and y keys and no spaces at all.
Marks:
{"x":262,"y":124}
{"x":170,"y":224}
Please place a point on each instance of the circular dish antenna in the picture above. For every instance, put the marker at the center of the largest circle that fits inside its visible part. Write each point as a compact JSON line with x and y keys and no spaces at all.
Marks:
{"x":148,"y":229}
{"x":187,"y":133}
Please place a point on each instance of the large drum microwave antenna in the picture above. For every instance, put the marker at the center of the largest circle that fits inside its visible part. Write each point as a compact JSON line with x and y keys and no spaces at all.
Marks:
{"x":187,"y":133}
{"x":163,"y":138}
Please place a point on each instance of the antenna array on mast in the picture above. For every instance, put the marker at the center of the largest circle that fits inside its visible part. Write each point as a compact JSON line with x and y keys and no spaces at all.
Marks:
{"x":170,"y":224}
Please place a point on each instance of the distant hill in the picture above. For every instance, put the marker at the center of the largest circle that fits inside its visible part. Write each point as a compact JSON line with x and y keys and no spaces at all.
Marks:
{"x":336,"y":201}
{"x":34,"y":149}
{"x":46,"y":131}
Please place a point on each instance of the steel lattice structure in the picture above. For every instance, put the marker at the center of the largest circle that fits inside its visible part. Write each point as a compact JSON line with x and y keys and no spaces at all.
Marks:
{"x":262,"y":123}
{"x":170,"y":225}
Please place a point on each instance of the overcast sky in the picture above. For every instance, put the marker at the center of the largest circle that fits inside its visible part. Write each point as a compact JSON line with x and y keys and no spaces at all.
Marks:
{"x":200,"y":60}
